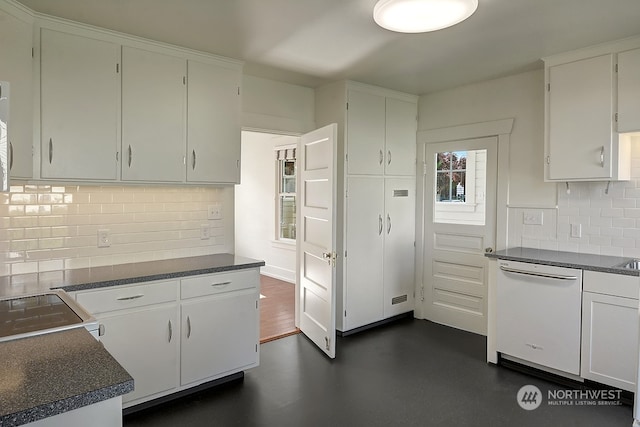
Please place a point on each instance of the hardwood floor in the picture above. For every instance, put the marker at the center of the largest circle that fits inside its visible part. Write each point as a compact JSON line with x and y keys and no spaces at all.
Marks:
{"x":277,"y":309}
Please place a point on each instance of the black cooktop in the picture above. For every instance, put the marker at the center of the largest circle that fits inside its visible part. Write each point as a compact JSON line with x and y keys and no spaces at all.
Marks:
{"x":34,"y":313}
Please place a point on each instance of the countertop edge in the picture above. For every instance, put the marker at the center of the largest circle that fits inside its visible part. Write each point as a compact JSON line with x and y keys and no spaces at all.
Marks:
{"x":62,"y":406}
{"x":160,"y":276}
{"x":604,"y":269}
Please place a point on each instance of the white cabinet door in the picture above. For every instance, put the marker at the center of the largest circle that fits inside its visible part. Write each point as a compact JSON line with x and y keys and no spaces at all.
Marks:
{"x":79,"y":106}
{"x":629,"y":91}
{"x":145,"y":343}
{"x":610,"y":340}
{"x":220,"y":335}
{"x":400,"y":137}
{"x":581,"y":119}
{"x":399,"y":247}
{"x":153,"y":116}
{"x":15,"y":67}
{"x":365,"y":133}
{"x":364,"y":244}
{"x":213,"y":123}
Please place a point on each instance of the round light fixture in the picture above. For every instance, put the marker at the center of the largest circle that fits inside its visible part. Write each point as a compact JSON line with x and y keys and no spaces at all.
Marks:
{"x":421,"y":16}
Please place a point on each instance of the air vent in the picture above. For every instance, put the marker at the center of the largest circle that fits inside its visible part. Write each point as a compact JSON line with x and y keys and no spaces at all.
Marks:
{"x":400,"y":193}
{"x":399,"y":299}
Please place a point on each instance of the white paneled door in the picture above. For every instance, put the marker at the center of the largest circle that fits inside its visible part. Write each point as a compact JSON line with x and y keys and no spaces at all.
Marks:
{"x":459,"y":227}
{"x":316,"y":267}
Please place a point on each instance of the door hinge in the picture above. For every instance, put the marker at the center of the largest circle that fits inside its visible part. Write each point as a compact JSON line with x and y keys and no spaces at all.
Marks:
{"x":184,"y":80}
{"x":548,"y":160}
{"x":424,"y":168}
{"x":33,"y":52}
{"x":548,"y":87}
{"x":117,"y":68}
{"x":256,"y":305}
{"x":616,"y":117}
{"x":422,"y":293}
{"x":345,"y":254}
{"x":347,"y":105}
{"x":616,"y":68}
{"x":345,"y":313}
{"x":256,"y":348}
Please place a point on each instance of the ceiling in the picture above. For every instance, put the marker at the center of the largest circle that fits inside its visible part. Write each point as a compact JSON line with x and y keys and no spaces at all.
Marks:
{"x":310,"y":42}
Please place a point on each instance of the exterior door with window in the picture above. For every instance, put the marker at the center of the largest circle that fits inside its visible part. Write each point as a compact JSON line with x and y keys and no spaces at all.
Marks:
{"x":459,"y":225}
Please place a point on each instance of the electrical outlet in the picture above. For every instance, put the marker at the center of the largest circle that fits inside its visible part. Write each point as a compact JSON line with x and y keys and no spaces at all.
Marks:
{"x":532,"y":218}
{"x":214,"y":211}
{"x":205,"y":232}
{"x":104,"y":238}
{"x":576,"y":230}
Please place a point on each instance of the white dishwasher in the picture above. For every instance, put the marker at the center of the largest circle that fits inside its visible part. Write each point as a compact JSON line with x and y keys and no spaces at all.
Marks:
{"x":538,"y":314}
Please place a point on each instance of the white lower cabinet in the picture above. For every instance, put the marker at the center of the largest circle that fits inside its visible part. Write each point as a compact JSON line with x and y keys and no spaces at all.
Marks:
{"x":379,"y":271}
{"x":150,"y":351}
{"x":219,"y":335}
{"x":176,"y":334}
{"x":610,"y":329}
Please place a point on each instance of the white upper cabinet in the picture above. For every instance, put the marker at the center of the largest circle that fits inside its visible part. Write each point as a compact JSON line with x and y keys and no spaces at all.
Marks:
{"x":15,"y":67}
{"x":582,"y":142}
{"x":213,"y":123}
{"x":365,"y":133}
{"x":153,"y":116}
{"x":80,"y":89}
{"x":400,"y":137}
{"x":629,"y":91}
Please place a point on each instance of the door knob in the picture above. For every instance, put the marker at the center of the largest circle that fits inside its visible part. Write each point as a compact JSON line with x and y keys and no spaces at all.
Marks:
{"x":488,"y":250}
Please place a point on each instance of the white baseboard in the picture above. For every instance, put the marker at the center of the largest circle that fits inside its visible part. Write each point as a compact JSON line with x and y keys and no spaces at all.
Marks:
{"x":279,"y":273}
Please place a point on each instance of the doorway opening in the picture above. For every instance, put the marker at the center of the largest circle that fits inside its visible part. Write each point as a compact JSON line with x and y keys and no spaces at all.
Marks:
{"x":265,"y":225}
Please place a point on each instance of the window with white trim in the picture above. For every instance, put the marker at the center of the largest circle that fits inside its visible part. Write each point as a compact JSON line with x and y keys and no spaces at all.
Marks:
{"x":286,"y":197}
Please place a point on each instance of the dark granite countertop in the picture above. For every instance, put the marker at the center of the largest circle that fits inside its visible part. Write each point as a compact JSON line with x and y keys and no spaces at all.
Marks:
{"x":97,"y":277}
{"x":603,"y":263}
{"x":50,"y":374}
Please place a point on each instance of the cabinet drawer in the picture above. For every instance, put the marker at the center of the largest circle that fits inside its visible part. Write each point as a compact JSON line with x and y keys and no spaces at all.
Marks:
{"x":218,"y":283}
{"x":611,"y":284}
{"x":122,"y":297}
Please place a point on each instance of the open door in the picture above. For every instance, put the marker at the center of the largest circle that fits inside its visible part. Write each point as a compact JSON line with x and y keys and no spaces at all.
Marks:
{"x":316,"y":257}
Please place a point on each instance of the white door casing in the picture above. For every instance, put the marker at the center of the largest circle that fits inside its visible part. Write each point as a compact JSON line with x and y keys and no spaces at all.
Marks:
{"x":316,"y":253}
{"x":454,"y":266}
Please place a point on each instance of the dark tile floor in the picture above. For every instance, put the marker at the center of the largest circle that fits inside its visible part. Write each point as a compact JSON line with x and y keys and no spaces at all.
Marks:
{"x":409,"y":373}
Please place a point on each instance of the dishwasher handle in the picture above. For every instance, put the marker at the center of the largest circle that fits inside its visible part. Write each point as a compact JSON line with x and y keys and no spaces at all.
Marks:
{"x":537,"y":274}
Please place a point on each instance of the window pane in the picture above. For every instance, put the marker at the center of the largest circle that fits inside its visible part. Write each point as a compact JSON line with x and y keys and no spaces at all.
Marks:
{"x":287,"y":217}
{"x":288,"y":170}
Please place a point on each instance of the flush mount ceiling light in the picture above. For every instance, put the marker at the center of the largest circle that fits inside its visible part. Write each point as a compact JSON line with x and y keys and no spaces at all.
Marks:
{"x":421,"y":16}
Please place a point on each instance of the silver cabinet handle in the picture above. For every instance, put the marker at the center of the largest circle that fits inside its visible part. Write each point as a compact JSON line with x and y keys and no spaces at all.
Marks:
{"x":130,"y":155}
{"x":10,"y":155}
{"x":188,"y":327}
{"x":170,"y":331}
{"x":602,"y":156}
{"x":221,"y":284}
{"x":130,"y":298}
{"x":388,"y":224}
{"x":381,"y":157}
{"x":379,"y":225}
{"x":50,"y":150}
{"x":101,"y":329}
{"x":388,"y":157}
{"x":193,"y":161}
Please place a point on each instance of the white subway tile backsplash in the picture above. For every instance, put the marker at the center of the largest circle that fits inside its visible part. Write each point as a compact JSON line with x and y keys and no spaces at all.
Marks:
{"x":54,"y":227}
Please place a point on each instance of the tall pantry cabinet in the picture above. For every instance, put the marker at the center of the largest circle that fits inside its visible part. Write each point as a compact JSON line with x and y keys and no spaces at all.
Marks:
{"x":376,"y":181}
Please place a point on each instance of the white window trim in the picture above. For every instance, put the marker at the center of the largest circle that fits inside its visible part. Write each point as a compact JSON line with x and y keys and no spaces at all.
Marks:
{"x":285,"y":242}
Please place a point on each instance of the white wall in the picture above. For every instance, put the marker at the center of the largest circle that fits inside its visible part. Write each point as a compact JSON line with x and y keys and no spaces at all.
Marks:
{"x":255,"y":206}
{"x":520,"y":97}
{"x":276,"y":106}
{"x":609,"y":222}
